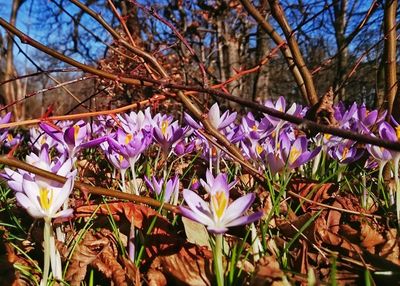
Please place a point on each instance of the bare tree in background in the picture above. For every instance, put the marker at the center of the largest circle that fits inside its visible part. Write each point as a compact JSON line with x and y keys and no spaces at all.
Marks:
{"x":13,"y":90}
{"x":321,"y":43}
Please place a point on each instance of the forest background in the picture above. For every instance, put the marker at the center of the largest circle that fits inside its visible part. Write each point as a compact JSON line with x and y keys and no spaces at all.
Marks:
{"x":260,"y":50}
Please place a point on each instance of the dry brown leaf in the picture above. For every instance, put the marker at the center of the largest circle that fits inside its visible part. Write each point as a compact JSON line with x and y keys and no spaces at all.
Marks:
{"x":370,"y":237}
{"x":333,"y":218}
{"x":323,"y":112}
{"x":107,"y":264}
{"x":330,"y":238}
{"x":192,"y":265}
{"x":131,"y":211}
{"x":349,"y":232}
{"x":267,"y":272}
{"x":156,"y":278}
{"x":8,"y":274}
{"x":100,"y":252}
{"x":85,"y":253}
{"x":290,"y":229}
{"x":311,"y":190}
{"x":390,"y":249}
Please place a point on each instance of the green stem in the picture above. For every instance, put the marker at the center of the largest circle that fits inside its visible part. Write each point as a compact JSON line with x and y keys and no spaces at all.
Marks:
{"x":218,"y":268}
{"x":317,"y":160}
{"x":135,"y":186}
{"x":46,"y":245}
{"x":381,"y":182}
{"x":210,"y":158}
{"x":397,"y":182}
{"x":217,"y":162}
{"x":123,"y":180}
{"x":341,"y":168}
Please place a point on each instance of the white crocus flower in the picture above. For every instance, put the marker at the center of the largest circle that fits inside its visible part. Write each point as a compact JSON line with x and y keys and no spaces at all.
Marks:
{"x":44,"y":201}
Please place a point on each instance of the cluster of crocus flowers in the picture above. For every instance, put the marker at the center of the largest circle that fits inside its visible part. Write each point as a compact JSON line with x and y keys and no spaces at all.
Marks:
{"x":268,"y":142}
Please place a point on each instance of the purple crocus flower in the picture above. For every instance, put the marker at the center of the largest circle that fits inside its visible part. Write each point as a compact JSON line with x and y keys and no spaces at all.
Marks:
{"x":346,"y":118}
{"x":4,"y":131}
{"x":345,"y":152}
{"x":181,"y":148}
{"x":171,"y":190}
{"x":11,"y":140}
{"x":215,"y":184}
{"x":387,"y":132}
{"x":129,"y":145}
{"x":253,"y":149}
{"x":276,"y":124}
{"x":218,"y":215}
{"x":136,"y":122}
{"x":291,"y":154}
{"x":167,"y":133}
{"x":381,"y":154}
{"x":253,"y":129}
{"x":217,"y":120}
{"x":71,"y":137}
{"x":368,"y":118}
{"x":38,"y":139}
{"x":117,"y":160}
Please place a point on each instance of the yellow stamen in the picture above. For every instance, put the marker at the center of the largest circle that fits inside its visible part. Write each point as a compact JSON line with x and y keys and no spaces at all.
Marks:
{"x":398,"y":132}
{"x":121,"y":158}
{"x":327,"y":136}
{"x":219,"y":201}
{"x":259,"y":149}
{"x":44,"y":199}
{"x":294,"y":154}
{"x":254,"y":128}
{"x":128,"y":138}
{"x":345,"y":152}
{"x":10,"y":137}
{"x":164,"y":126}
{"x":76,"y":131}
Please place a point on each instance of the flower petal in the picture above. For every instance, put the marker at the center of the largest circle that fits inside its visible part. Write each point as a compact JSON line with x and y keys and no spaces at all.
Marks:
{"x":238,"y":207}
{"x":246,"y":219}
{"x":198,"y":206}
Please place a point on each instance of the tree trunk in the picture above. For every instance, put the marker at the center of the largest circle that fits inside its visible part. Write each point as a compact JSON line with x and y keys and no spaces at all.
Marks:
{"x":390,"y":55}
{"x":261,"y":81}
{"x":11,"y":89}
{"x":339,"y":8}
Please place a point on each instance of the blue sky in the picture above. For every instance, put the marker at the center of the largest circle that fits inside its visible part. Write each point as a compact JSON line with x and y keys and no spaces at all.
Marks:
{"x":28,"y":22}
